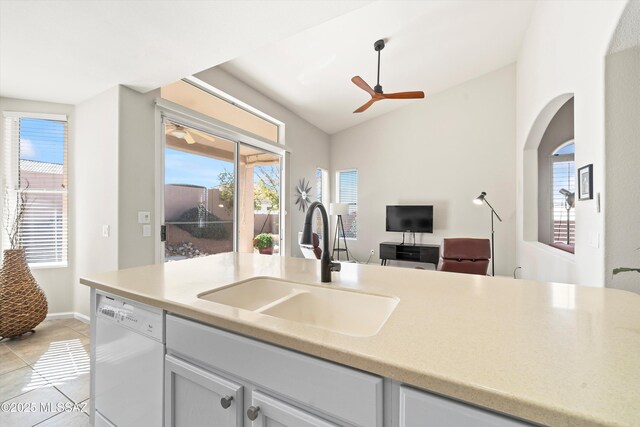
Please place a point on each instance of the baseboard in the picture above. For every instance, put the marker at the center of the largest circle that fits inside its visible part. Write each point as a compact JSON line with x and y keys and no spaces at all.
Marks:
{"x":81,"y":317}
{"x":64,"y":315}
{"x":68,"y":315}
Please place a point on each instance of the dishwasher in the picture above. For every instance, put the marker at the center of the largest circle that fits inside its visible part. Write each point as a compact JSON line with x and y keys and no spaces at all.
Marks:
{"x":129,"y":363}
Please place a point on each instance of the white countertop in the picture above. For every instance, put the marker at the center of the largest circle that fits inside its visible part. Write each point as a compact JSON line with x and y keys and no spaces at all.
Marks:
{"x":551,"y":353}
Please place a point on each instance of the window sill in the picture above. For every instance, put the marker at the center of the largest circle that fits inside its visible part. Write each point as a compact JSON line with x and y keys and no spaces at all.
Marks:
{"x":551,"y":250}
{"x":563,"y":247}
{"x":48,"y":265}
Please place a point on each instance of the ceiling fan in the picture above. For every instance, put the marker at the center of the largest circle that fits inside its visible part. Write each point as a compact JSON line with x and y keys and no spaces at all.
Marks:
{"x":182,"y":132}
{"x":376,"y":93}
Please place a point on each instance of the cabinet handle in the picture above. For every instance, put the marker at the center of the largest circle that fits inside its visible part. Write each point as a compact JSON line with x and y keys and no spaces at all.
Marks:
{"x":252,"y":412}
{"x":226,"y":401}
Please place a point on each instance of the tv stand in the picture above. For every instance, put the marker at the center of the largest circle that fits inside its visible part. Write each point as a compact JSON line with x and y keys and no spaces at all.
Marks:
{"x":416,"y":252}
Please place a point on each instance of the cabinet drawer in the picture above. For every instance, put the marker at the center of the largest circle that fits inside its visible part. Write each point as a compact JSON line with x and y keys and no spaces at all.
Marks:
{"x":343,"y":393}
{"x":275,"y":412}
{"x":387,"y":251}
{"x":194,"y":397}
{"x":421,"y":409}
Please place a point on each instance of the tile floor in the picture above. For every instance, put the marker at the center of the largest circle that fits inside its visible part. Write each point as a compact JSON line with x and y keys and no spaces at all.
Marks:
{"x":48,"y":367}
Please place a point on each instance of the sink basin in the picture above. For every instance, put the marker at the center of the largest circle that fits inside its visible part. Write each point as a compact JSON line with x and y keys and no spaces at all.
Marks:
{"x":346,"y":312}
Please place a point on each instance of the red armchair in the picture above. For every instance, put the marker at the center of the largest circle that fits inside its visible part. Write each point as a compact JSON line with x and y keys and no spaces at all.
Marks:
{"x":470,"y":256}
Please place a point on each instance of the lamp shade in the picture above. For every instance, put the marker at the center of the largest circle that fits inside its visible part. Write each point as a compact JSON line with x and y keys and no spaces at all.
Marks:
{"x":478,"y":200}
{"x":338,"y":209}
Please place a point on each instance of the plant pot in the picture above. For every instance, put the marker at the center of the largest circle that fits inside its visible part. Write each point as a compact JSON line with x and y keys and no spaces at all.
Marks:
{"x":266,"y":251}
{"x":23,"y":305}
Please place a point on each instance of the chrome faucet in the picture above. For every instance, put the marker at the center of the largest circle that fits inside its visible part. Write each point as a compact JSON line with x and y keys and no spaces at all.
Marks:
{"x":326,"y":265}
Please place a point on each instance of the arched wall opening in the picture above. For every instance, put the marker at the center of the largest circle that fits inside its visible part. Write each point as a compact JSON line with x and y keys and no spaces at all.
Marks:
{"x":531,"y":177}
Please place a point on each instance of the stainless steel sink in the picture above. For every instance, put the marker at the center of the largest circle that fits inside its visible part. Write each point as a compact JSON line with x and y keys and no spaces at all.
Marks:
{"x":346,"y":312}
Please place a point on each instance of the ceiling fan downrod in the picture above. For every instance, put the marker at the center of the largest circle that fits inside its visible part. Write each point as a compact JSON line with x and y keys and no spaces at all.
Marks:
{"x":378,"y":46}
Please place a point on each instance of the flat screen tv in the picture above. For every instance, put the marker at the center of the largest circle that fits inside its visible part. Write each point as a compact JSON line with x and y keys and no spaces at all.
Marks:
{"x":411,"y":219}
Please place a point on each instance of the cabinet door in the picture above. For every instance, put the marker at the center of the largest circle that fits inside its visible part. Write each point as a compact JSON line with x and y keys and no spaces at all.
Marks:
{"x":422,"y":409}
{"x":195,"y":397}
{"x":275,"y":413}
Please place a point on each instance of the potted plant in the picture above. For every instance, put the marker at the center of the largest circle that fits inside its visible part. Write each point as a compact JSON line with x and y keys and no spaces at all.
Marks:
{"x":264,"y":243}
{"x":23,"y":305}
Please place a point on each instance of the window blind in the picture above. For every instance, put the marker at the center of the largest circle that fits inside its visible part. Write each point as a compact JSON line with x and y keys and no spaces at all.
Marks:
{"x":35,"y":156}
{"x":563,"y":176}
{"x":348,"y":193}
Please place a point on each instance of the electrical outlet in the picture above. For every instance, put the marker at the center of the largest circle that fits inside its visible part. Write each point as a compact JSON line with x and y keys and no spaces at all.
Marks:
{"x":105,"y":231}
{"x":372,"y":251}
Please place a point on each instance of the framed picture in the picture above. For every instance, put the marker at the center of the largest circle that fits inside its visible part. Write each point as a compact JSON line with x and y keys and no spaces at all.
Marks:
{"x":585,"y":183}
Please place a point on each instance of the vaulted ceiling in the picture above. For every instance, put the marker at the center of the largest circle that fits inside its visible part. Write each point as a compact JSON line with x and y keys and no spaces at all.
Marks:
{"x":431,"y":46}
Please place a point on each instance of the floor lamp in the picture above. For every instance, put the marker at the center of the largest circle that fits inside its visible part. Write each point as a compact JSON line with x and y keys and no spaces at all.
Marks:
{"x":339,"y":209}
{"x":478,"y":201}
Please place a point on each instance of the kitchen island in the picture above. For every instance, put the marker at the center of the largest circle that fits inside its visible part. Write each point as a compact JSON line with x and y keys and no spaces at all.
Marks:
{"x":547,"y":353}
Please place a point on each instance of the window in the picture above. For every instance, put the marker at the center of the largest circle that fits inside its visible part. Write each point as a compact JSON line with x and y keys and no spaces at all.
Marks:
{"x":347,"y":192}
{"x":190,"y":96}
{"x":35,"y":151}
{"x":563,"y":187}
{"x":322,"y":183}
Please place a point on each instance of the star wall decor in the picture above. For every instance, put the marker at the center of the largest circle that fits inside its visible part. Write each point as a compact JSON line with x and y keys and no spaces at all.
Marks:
{"x":302,"y":199}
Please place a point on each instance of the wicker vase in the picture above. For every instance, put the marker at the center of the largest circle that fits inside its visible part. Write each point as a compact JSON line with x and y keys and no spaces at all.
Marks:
{"x":23,"y":305}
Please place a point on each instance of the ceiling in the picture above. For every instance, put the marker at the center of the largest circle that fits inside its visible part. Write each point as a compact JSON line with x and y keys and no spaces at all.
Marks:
{"x":68,"y":51}
{"x":431,"y":46}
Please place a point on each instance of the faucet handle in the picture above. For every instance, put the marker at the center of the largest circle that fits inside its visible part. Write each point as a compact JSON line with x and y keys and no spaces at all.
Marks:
{"x":335,"y":266}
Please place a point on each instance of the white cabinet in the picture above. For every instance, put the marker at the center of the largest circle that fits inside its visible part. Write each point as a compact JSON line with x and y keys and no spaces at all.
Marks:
{"x":270,"y":412}
{"x":422,"y":409}
{"x":195,"y":397}
{"x":342,"y":395}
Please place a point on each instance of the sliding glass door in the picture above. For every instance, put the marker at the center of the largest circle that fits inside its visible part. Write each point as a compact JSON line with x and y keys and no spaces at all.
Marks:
{"x":199,"y":171}
{"x":259,"y":208}
{"x":201,"y":215}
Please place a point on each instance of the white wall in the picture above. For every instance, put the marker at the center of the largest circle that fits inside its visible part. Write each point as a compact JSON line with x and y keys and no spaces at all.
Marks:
{"x":57,"y":283}
{"x":623,"y":172}
{"x":95,"y":178}
{"x":563,"y":53}
{"x":443,"y":151}
{"x":309,"y":145}
{"x":137,"y":179}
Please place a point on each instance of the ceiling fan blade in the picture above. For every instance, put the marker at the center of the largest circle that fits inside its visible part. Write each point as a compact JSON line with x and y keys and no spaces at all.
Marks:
{"x":404,"y":95}
{"x":189,"y":139}
{"x":367,"y":105}
{"x":202,"y":134}
{"x":358,"y":81}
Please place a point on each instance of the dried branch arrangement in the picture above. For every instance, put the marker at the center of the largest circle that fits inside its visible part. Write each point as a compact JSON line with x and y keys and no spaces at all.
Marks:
{"x":13,"y":217}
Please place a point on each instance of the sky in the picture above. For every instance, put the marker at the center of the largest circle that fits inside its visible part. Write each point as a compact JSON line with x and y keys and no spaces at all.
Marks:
{"x":42,"y":140}
{"x":193,"y":169}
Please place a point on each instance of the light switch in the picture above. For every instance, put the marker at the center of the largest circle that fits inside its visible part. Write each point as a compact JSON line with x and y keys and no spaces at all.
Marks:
{"x":144,"y":217}
{"x":105,"y":231}
{"x":594,"y":239}
{"x":146,"y":230}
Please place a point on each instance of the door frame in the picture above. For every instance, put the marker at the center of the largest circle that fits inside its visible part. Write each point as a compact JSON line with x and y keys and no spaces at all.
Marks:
{"x":169,"y":111}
